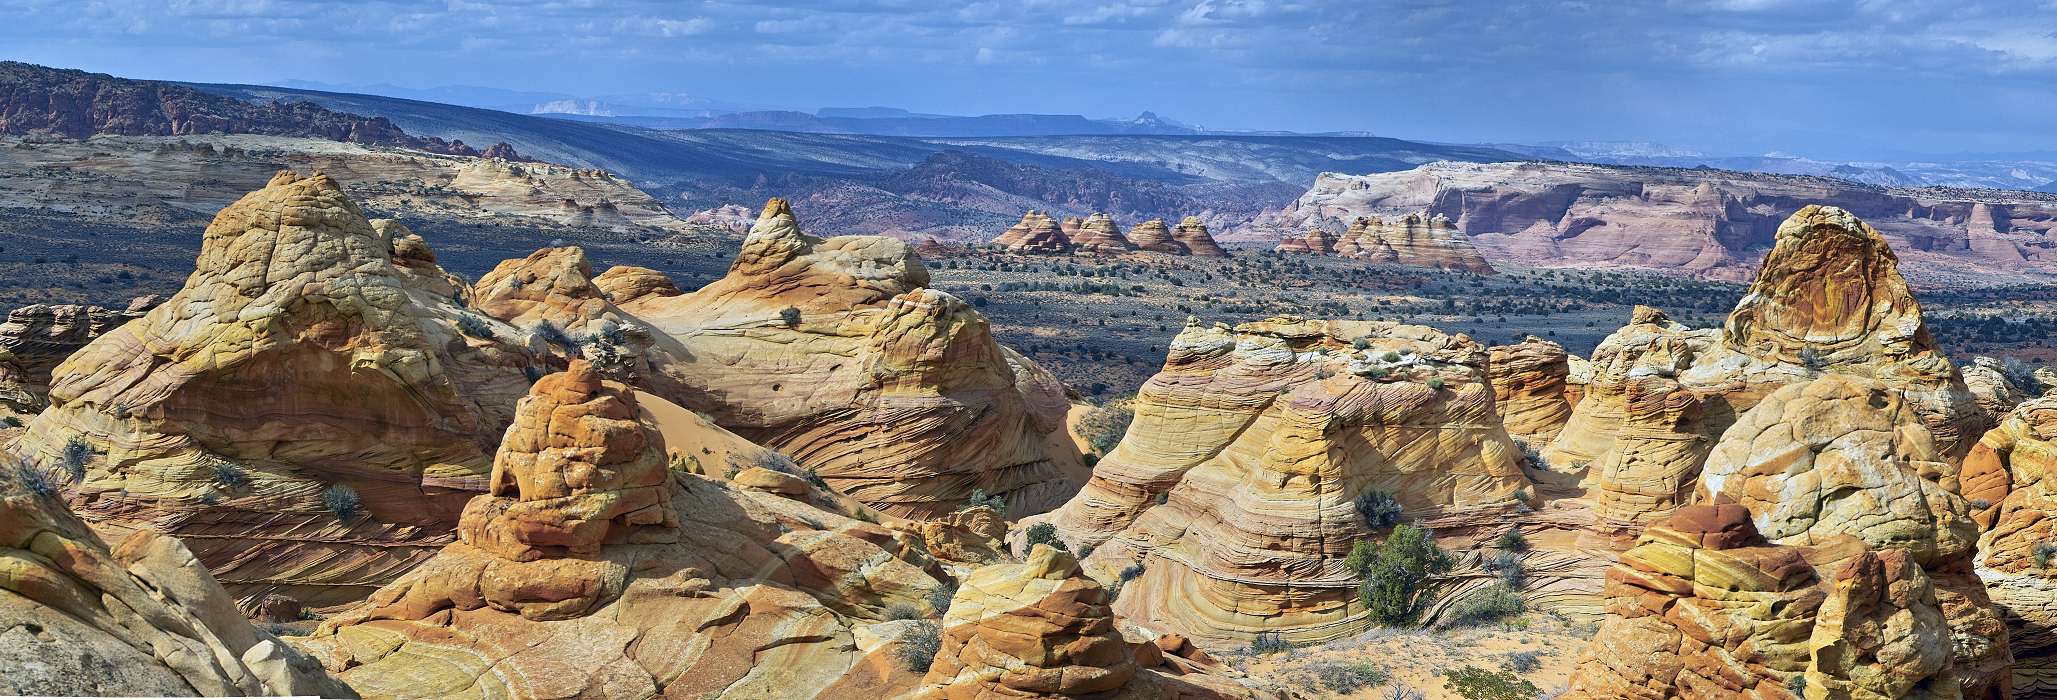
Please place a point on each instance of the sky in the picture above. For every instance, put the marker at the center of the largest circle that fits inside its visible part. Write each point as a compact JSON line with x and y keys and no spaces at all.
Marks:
{"x":1847,"y":79}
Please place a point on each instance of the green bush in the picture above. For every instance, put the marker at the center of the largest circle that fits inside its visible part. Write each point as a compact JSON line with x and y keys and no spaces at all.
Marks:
{"x":77,"y":452}
{"x":230,"y":476}
{"x":790,"y":316}
{"x":1045,"y":533}
{"x":979,"y":498}
{"x":1379,"y":509}
{"x":1495,"y":603}
{"x":35,"y":481}
{"x":939,"y":598}
{"x":919,"y":648}
{"x":1513,"y":540}
{"x":342,"y":501}
{"x":1105,"y":426}
{"x":1269,"y":643}
{"x":1474,"y":683}
{"x":1132,"y":572}
{"x":1346,"y":677}
{"x":1393,"y":571}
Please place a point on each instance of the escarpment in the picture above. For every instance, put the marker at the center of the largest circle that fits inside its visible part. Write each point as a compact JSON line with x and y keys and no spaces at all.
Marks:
{"x":592,"y":570}
{"x":310,"y":411}
{"x":1235,"y":489}
{"x":834,"y":351}
{"x":143,"y":619}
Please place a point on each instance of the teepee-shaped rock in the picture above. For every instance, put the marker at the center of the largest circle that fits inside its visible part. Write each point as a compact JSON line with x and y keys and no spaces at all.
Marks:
{"x":1098,"y":234}
{"x":1155,"y":236}
{"x":1035,"y":234}
{"x":1193,"y":233}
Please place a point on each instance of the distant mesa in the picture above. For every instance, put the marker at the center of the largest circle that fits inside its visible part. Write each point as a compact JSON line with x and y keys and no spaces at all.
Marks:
{"x":1038,"y":234}
{"x":1418,"y":239}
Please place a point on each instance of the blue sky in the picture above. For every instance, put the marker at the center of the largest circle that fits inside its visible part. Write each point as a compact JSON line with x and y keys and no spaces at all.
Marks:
{"x":1827,"y":78}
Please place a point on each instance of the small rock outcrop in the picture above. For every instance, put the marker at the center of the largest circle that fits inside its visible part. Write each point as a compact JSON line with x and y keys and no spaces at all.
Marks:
{"x":591,"y":570}
{"x":1192,"y":232}
{"x":37,"y":337}
{"x":1528,"y":387}
{"x":1041,"y":629}
{"x":835,"y":352}
{"x":1236,"y":485}
{"x":309,"y":378}
{"x":1038,"y":234}
{"x":1990,"y":385}
{"x":144,"y":619}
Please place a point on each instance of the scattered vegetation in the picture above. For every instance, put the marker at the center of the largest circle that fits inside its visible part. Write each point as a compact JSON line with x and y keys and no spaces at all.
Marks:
{"x":552,"y":334}
{"x":1346,"y":677}
{"x":230,"y":476}
{"x":1132,"y":572}
{"x":1474,"y":683}
{"x":1523,"y":661}
{"x":2022,"y":375}
{"x":979,"y":498}
{"x":1045,"y":533}
{"x":1531,"y":457}
{"x":475,"y":327}
{"x":2043,"y":551}
{"x":1507,"y":566}
{"x":1393,"y":571}
{"x":342,"y":501}
{"x":1269,"y":643}
{"x":790,"y":316}
{"x":1402,"y":691}
{"x":1513,"y":540}
{"x":1797,"y":685}
{"x":1105,"y":426}
{"x":1497,"y":602}
{"x":1379,"y":509}
{"x":35,"y":481}
{"x":1812,"y":359}
{"x":778,"y":461}
{"x":919,"y":648}
{"x":10,"y":421}
{"x":939,"y":598}
{"x":903,"y":611}
{"x":1435,"y":383}
{"x":77,"y":452}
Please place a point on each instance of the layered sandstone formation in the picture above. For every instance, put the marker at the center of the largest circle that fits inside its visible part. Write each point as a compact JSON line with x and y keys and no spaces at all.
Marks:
{"x":1704,"y":607}
{"x":37,"y":337}
{"x":1235,"y":487}
{"x":1155,"y":236}
{"x":1036,"y":234}
{"x":1041,"y":629}
{"x":307,"y":355}
{"x":1995,"y":392}
{"x":835,"y":352}
{"x":1830,"y":300}
{"x":591,"y":570}
{"x":2008,"y":477}
{"x":1414,"y":239}
{"x":143,"y":620}
{"x":1193,"y":233}
{"x":1529,"y":388}
{"x":1708,"y":223}
{"x":1099,"y":235}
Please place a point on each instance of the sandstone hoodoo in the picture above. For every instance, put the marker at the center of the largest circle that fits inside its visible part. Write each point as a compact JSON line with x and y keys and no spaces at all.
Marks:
{"x":139,"y":620}
{"x":309,"y":378}
{"x":835,"y":351}
{"x":1099,"y":235}
{"x":1236,"y":492}
{"x":1192,"y":232}
{"x":591,"y":570}
{"x":1041,"y":629}
{"x":1038,"y":234}
{"x":1155,"y":236}
{"x":37,"y":337}
{"x":1529,"y":388}
{"x":1414,"y":239}
{"x":2010,"y":472}
{"x":1830,"y":300}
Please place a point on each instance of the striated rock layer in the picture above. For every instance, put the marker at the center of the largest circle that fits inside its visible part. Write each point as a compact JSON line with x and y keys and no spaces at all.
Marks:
{"x":1192,"y":232}
{"x":1098,"y":234}
{"x":307,"y":354}
{"x":2008,"y":476}
{"x":1829,"y":300}
{"x":1704,"y":607}
{"x":1529,"y":388}
{"x":835,"y":352}
{"x":593,"y":571}
{"x":1041,"y":629}
{"x":1236,"y":482}
{"x":1036,"y":233}
{"x":1155,"y":236}
{"x":1413,"y":239}
{"x":37,"y":337}
{"x":77,"y":619}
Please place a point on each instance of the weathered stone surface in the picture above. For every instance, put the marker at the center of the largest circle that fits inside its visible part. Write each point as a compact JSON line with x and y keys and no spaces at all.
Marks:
{"x":1099,"y":235}
{"x":591,"y":571}
{"x":1155,"y":236}
{"x":834,"y":352}
{"x":1995,"y":392}
{"x":77,"y":619}
{"x":1041,"y":629}
{"x":1413,"y":239}
{"x":304,"y":352}
{"x":1236,"y":482}
{"x":554,"y":296}
{"x":2008,"y":476}
{"x":626,"y":283}
{"x":1528,"y":387}
{"x":37,"y":337}
{"x":1703,"y":607}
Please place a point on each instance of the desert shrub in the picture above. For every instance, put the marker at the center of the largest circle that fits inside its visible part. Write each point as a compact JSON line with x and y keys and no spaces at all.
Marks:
{"x":1402,"y":691}
{"x":1045,"y":533}
{"x":1085,"y":551}
{"x":1105,"y":426}
{"x":1346,"y":677}
{"x":902,"y":611}
{"x":1361,"y":343}
{"x":2021,"y":374}
{"x":1390,"y":356}
{"x":1507,"y":566}
{"x":919,"y":648}
{"x":342,"y":501}
{"x":554,"y":335}
{"x":1523,"y":661}
{"x":1797,"y":685}
{"x":939,"y":598}
{"x":1132,"y":572}
{"x":1393,"y":571}
{"x":77,"y":452}
{"x":1980,"y":504}
{"x":1269,"y":643}
{"x":230,"y":476}
{"x":10,"y":421}
{"x":2043,"y":551}
{"x":1531,"y":456}
{"x":1495,"y":603}
{"x":778,"y":461}
{"x":1812,"y":359}
{"x":475,"y":327}
{"x":1379,"y":509}
{"x":1435,"y":383}
{"x":1513,"y":540}
{"x":1474,"y":683}
{"x":790,"y":316}
{"x":33,"y":480}
{"x":979,"y":498}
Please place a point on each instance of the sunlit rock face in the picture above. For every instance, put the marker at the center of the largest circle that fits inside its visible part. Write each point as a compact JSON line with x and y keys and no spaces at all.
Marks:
{"x":2009,"y":477}
{"x":38,"y":337}
{"x":1235,"y":486}
{"x":1099,"y":234}
{"x":1529,"y":388}
{"x":141,"y":620}
{"x":835,"y":352}
{"x":1828,"y":300}
{"x":309,"y":351}
{"x":1037,"y":233}
{"x":591,"y":570}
